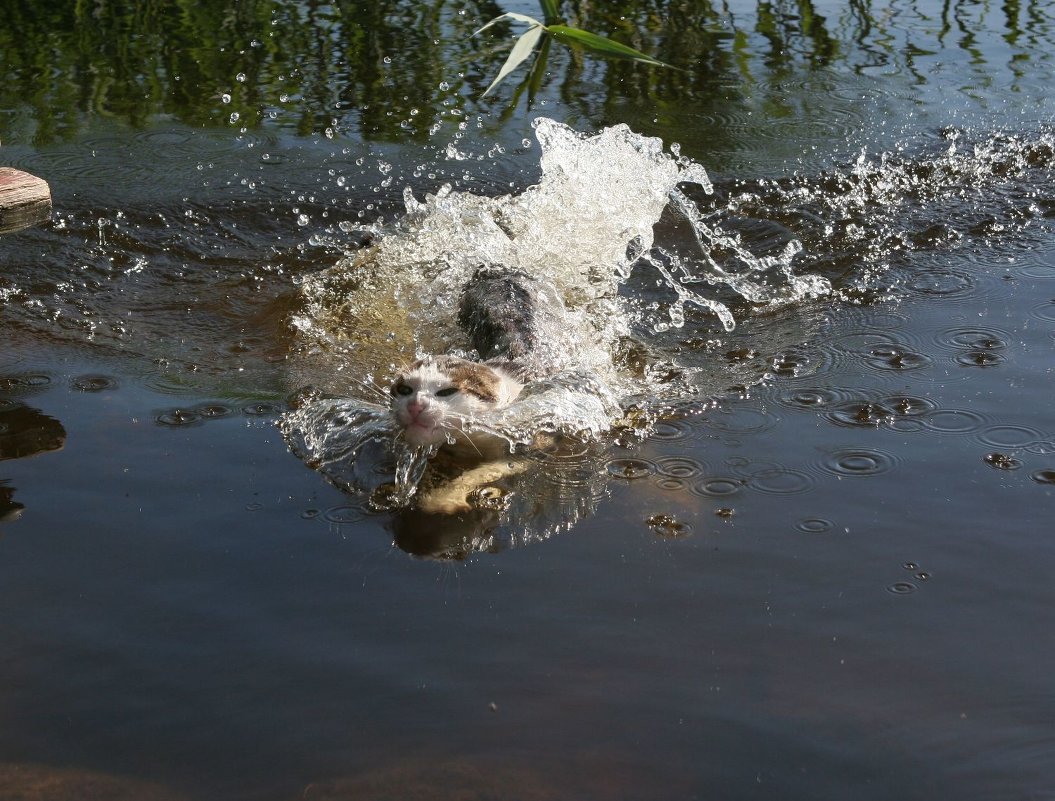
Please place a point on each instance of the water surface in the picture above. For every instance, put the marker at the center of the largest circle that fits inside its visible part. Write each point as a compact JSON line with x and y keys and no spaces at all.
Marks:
{"x":814,"y":563}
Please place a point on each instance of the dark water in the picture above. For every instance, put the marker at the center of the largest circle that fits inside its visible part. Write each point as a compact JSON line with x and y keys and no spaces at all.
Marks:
{"x":825,"y":575}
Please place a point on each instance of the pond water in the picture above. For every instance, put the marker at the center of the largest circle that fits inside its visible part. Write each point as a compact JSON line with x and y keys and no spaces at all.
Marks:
{"x":812,"y":560}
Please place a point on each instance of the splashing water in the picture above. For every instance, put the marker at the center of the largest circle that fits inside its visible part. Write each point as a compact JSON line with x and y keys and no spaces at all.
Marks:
{"x":584,"y":227}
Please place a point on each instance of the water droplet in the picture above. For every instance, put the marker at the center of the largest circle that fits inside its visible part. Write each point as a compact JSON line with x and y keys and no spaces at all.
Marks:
{"x":1043,"y":476}
{"x":178,"y":417}
{"x":668,"y":527}
{"x":240,"y":77}
{"x":630,"y":469}
{"x":309,"y":514}
{"x":93,"y":383}
{"x":225,"y":98}
{"x":214,"y":410}
{"x":1002,"y":461}
{"x":262,"y":409}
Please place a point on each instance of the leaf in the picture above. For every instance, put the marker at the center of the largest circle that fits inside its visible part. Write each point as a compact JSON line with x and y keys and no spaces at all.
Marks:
{"x":550,"y":10}
{"x":601,"y":45}
{"x":510,"y":15}
{"x":521,"y":50}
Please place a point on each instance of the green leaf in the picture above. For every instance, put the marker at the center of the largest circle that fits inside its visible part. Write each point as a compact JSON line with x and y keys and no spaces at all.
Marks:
{"x":550,"y":10}
{"x":601,"y":45}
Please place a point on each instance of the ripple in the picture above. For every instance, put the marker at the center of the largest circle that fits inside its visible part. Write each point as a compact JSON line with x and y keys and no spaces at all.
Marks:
{"x":979,"y":358}
{"x":941,"y":283}
{"x":1002,"y":461}
{"x":671,"y":430}
{"x":683,"y":467}
{"x":970,"y":339}
{"x":1046,"y":476}
{"x":861,"y":414}
{"x":21,"y":382}
{"x":1010,"y":436}
{"x":812,"y":397}
{"x":178,"y":417}
{"x":668,"y":527}
{"x":781,"y":481}
{"x":263,"y":409}
{"x":343,"y":514}
{"x":630,"y":469}
{"x":670,"y":484}
{"x":740,"y":421}
{"x":214,"y":410}
{"x":895,"y":357}
{"x":815,"y":525}
{"x":902,"y":588}
{"x":858,"y":463}
{"x":953,"y":421}
{"x":1045,"y":311}
{"x":93,"y":382}
{"x":718,"y":487}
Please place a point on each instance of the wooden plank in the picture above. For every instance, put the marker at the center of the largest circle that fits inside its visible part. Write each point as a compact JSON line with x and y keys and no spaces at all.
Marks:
{"x":24,"y":200}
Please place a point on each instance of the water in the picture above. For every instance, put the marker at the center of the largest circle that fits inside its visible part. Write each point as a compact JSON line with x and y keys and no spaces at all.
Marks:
{"x":804,"y":550}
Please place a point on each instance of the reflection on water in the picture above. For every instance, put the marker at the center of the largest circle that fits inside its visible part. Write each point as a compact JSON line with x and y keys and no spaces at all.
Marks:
{"x":24,"y":432}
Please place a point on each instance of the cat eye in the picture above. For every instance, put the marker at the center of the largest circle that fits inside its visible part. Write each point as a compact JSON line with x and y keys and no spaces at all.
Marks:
{"x":402,"y":389}
{"x":446,"y":393}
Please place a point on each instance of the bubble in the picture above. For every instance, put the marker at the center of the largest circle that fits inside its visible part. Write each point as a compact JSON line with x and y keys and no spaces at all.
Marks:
{"x":679,"y":467}
{"x":214,"y":410}
{"x":630,"y":469}
{"x":310,"y":514}
{"x":178,"y":417}
{"x":718,"y":487}
{"x":93,"y":383}
{"x":858,"y":463}
{"x":668,"y":527}
{"x":815,"y":525}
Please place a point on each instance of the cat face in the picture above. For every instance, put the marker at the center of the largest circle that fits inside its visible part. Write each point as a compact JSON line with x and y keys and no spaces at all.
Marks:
{"x":435,"y":396}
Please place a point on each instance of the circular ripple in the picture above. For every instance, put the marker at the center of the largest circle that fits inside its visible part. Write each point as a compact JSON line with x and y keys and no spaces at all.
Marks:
{"x":861,"y":414}
{"x":781,"y":481}
{"x":679,"y":467}
{"x":214,"y":410}
{"x":858,"y":463}
{"x":718,"y":487}
{"x":941,"y":283}
{"x":262,"y":409}
{"x":902,"y":588}
{"x":178,"y":417}
{"x":812,"y":398}
{"x":1002,"y":461}
{"x":630,"y":469}
{"x":895,"y":357}
{"x":979,"y":358}
{"x":671,"y":484}
{"x":815,"y":525}
{"x":1009,"y":436}
{"x":987,"y":339}
{"x":343,"y":514}
{"x":953,"y":421}
{"x":14,"y":383}
{"x":1043,"y":476}
{"x":668,"y":527}
{"x":740,"y":421}
{"x":1045,"y":311}
{"x":93,"y":383}
{"x":671,"y":430}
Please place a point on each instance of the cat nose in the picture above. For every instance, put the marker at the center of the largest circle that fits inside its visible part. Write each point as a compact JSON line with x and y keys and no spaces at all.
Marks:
{"x":417,"y":403}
